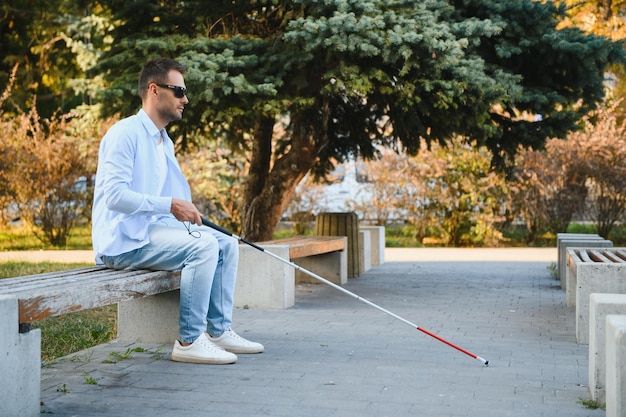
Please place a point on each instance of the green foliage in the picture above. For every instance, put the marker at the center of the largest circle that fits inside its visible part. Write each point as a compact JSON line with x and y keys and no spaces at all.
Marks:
{"x":214,"y":174}
{"x":433,"y":68}
{"x":18,"y":269}
{"x":584,"y":175}
{"x":76,"y":331}
{"x":33,"y":34}
{"x":349,"y":77}
{"x":45,"y":159}
{"x":14,"y":238}
{"x":336,"y":79}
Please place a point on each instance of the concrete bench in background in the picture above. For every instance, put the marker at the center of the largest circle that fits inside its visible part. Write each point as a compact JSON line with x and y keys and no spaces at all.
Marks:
{"x":595,"y":271}
{"x":601,"y":305}
{"x":377,"y":243}
{"x":616,"y":365}
{"x":571,"y":240}
{"x":265,"y":282}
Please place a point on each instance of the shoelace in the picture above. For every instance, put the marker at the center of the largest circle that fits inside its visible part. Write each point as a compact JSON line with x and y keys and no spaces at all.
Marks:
{"x":235,"y":336}
{"x":210,"y":345}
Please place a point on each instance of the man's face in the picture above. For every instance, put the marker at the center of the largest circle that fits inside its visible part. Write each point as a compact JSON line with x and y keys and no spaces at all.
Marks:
{"x":170,"y":107}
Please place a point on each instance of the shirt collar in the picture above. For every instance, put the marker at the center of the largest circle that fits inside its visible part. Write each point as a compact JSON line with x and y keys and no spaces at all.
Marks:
{"x":148,"y":124}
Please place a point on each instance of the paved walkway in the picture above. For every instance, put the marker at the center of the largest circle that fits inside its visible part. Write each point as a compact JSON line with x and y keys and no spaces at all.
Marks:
{"x":334,"y":356}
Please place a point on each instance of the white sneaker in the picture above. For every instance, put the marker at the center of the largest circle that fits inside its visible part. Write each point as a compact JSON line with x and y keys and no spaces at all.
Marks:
{"x":232,"y":342}
{"x":202,"y":351}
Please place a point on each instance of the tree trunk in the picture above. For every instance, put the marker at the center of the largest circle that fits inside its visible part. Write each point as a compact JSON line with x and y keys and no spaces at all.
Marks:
{"x":269,"y":189}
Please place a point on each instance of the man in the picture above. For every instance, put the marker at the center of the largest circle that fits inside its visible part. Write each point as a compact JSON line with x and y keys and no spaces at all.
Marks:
{"x":143,"y":218}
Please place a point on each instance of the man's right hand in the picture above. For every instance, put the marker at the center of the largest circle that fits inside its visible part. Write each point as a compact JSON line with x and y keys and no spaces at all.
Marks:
{"x":185,"y":211}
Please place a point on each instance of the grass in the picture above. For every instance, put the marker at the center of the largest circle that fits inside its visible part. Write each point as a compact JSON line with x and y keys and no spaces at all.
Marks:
{"x":69,"y":333}
{"x":15,"y":238}
{"x":591,"y":404}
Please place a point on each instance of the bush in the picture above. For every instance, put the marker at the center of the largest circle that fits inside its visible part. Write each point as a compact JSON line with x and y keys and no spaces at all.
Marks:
{"x":44,"y":159}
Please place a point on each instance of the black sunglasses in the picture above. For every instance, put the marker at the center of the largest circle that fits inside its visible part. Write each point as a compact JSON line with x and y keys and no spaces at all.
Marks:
{"x":179,"y":92}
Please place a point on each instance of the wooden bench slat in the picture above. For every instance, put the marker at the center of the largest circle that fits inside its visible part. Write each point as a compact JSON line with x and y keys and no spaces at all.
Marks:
{"x":53,"y":294}
{"x":584,"y":256}
{"x":95,"y":293}
{"x":27,"y":279}
{"x":613,"y":257}
{"x":303,"y":246}
{"x":70,"y":278}
{"x":597,"y":256}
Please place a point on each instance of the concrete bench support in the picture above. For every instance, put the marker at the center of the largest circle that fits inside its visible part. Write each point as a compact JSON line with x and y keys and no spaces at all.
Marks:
{"x":20,"y":362}
{"x":332,"y":266}
{"x":601,"y":305}
{"x":616,"y":366}
{"x":561,"y":248}
{"x":262,"y":281}
{"x":596,"y":271}
{"x":377,"y":242}
{"x":149,"y":320}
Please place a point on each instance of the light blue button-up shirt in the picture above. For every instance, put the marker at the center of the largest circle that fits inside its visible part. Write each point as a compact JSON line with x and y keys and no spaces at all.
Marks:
{"x":127,"y":182}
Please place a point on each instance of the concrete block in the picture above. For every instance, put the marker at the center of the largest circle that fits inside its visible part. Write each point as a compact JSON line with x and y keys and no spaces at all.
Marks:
{"x":151,"y":319}
{"x":263,"y":281}
{"x":590,"y":241}
{"x":20,"y":363}
{"x":561,"y":254}
{"x":595,"y":272}
{"x":616,"y":365}
{"x":569,"y":282}
{"x":377,"y":242}
{"x":365,"y":251}
{"x":601,"y":305}
{"x":332,"y":266}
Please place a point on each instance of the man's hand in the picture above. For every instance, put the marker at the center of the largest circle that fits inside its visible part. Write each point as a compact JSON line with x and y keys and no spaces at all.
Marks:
{"x":185,"y":211}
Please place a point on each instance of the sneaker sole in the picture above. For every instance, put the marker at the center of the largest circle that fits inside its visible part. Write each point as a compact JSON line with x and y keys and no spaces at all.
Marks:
{"x":204,"y":361}
{"x":242,"y":351}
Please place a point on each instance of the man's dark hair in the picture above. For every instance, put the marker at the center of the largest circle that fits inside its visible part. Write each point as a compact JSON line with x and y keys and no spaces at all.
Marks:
{"x":156,"y":71}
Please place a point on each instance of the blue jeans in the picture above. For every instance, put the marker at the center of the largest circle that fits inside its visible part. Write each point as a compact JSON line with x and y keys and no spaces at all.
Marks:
{"x":208,"y":262}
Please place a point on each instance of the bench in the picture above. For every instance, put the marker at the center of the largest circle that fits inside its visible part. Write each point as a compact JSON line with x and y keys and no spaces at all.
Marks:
{"x":265,"y":282}
{"x":148,"y":304}
{"x":574,"y":240}
{"x":601,"y":270}
{"x":601,"y":306}
{"x":615,"y":365}
{"x":35,"y":297}
{"x":377,"y":242}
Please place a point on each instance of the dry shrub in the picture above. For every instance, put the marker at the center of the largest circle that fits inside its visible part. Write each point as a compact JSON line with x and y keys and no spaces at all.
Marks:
{"x":40,"y":170}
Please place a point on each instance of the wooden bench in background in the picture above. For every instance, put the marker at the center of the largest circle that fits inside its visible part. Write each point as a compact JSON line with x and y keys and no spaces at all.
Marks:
{"x":265,"y":282}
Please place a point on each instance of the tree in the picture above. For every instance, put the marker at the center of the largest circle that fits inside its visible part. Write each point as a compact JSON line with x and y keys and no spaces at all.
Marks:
{"x":459,"y":195}
{"x":601,"y":17}
{"x":584,"y":174}
{"x":42,"y":184}
{"x":33,"y":34}
{"x":548,"y":187}
{"x":347,"y":77}
{"x":603,"y":151}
